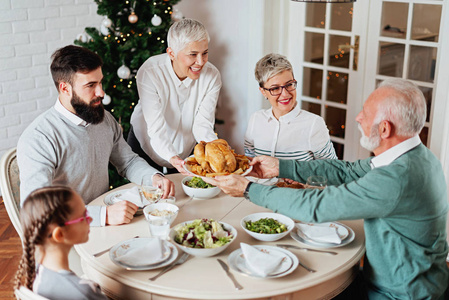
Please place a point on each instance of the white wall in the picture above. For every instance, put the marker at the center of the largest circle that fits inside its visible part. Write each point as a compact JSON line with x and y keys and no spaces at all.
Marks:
{"x":235,"y":28}
{"x":31,"y":31}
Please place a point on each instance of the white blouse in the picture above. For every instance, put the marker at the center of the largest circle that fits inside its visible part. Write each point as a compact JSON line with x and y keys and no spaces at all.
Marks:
{"x":298,"y":135}
{"x":173,"y":115}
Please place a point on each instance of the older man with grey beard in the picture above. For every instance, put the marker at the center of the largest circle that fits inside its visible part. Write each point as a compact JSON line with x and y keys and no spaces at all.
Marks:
{"x":400,"y":193}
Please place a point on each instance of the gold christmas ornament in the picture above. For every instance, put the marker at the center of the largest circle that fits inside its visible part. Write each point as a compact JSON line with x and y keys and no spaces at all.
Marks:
{"x":133,"y":18}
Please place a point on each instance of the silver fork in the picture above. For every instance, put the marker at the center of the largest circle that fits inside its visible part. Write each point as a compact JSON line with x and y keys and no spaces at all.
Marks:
{"x":306,"y":267}
{"x":181,"y":260}
{"x":106,"y":250}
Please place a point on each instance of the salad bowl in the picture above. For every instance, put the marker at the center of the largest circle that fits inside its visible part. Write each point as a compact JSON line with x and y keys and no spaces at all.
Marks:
{"x":217,"y":246}
{"x":268,"y":237}
{"x":199,"y":193}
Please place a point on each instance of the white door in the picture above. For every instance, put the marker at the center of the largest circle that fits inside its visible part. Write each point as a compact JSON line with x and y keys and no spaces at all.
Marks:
{"x":406,"y":40}
{"x":341,"y":51}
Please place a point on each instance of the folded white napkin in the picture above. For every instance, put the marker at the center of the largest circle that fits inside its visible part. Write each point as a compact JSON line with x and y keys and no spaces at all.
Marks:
{"x":320,"y":233}
{"x":150,"y":253}
{"x":133,"y":195}
{"x":261,"y":263}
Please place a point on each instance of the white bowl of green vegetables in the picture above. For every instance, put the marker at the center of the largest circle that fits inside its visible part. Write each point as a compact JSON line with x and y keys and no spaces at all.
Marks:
{"x":203,"y":237}
{"x":198,"y":189}
{"x":267,"y":227}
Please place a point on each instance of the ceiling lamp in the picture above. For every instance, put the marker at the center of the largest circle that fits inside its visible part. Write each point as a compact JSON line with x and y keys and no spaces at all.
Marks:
{"x":325,"y":1}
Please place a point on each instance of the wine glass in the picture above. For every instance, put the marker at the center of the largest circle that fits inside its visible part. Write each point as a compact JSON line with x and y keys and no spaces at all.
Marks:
{"x":316,"y":181}
{"x":149,"y":192}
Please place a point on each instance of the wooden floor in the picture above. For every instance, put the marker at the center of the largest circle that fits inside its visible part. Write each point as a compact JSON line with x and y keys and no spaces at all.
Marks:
{"x":10,"y":253}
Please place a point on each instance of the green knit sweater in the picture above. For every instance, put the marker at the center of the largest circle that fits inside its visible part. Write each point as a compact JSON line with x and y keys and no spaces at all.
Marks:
{"x":404,"y":206}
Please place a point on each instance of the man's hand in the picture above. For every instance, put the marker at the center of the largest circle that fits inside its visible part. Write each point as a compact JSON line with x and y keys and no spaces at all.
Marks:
{"x":233,"y":185}
{"x":120,"y":213}
{"x":291,"y":181}
{"x":264,"y":167}
{"x":178,"y":163}
{"x":167,"y":185}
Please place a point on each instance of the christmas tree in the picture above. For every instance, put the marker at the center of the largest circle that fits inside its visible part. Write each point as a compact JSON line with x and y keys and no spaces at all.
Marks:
{"x":131,"y":32}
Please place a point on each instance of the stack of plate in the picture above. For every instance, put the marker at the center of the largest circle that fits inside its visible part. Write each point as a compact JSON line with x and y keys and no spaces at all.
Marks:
{"x":290,"y":262}
{"x":115,"y":197}
{"x":170,"y":253}
{"x":346,"y":235}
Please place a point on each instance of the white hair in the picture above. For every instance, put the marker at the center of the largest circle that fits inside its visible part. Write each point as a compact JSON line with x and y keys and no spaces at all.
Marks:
{"x":184,"y":32}
{"x":405,"y":107}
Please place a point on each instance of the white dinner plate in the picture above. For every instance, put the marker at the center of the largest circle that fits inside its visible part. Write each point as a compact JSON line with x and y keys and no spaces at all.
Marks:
{"x":123,"y":247}
{"x":342,"y":231}
{"x":237,"y":262}
{"x":263,"y":181}
{"x":298,"y":236}
{"x":114,"y":197}
{"x":188,"y":169}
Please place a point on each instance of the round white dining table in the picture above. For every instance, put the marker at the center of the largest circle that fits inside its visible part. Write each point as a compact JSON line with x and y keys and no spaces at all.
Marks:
{"x":203,"y":278}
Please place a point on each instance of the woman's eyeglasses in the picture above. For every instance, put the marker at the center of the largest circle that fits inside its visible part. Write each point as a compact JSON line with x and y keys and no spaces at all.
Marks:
{"x":277,"y":90}
{"x":86,"y":217}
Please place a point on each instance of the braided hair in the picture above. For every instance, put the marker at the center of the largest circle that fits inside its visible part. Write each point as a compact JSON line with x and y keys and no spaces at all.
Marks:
{"x":44,"y":206}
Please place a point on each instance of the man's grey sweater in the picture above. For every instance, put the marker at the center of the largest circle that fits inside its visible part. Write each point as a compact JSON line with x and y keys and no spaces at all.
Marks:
{"x":55,"y":151}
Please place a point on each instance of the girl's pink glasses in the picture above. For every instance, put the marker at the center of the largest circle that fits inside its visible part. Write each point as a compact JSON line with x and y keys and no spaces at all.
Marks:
{"x":86,"y":217}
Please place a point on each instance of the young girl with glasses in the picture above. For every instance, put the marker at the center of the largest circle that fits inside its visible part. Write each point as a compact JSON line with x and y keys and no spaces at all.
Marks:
{"x":53,"y":220}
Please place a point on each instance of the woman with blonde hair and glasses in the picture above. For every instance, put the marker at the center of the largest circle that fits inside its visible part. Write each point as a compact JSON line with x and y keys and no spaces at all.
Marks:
{"x":53,"y":220}
{"x":285,"y":130}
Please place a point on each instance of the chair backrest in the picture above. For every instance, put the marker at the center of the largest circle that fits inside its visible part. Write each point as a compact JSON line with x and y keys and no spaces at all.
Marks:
{"x":23,"y":293}
{"x":10,"y":185}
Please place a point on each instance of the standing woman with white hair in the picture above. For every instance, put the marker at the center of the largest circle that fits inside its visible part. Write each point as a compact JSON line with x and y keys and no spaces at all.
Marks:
{"x":178,"y":93}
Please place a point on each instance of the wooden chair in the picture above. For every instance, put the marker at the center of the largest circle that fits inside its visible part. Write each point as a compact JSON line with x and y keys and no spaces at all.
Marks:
{"x":10,"y":186}
{"x":23,"y":293}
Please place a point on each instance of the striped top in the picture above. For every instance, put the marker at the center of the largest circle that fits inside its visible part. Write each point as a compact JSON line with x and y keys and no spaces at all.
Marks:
{"x":298,"y":135}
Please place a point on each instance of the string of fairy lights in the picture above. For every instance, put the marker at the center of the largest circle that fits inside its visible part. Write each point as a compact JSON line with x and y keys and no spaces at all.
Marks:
{"x":112,"y":34}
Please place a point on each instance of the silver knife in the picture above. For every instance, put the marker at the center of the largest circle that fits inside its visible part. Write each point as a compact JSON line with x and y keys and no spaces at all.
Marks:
{"x":306,"y":249}
{"x":226,"y":268}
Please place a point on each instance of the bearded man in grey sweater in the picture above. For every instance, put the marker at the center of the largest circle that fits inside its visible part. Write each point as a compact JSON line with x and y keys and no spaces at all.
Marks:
{"x":74,"y":141}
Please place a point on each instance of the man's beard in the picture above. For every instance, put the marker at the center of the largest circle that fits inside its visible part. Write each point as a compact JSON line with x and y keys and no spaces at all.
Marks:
{"x":373,"y":141}
{"x":88,"y":112}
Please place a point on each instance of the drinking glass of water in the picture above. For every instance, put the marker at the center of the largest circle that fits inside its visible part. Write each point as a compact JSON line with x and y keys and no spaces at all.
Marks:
{"x":159,"y":227}
{"x":317,"y":181}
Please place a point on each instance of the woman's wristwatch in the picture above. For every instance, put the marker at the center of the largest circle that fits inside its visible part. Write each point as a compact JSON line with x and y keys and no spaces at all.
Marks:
{"x":246,"y":192}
